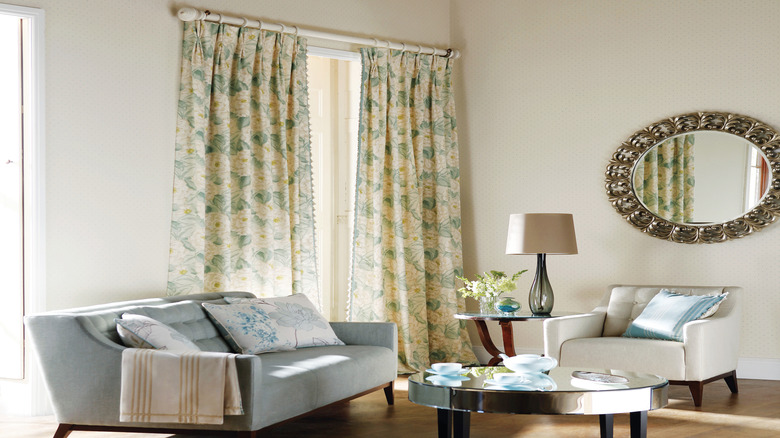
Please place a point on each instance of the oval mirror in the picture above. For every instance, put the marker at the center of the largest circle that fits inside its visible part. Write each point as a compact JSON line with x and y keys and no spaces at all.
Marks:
{"x":703,"y":177}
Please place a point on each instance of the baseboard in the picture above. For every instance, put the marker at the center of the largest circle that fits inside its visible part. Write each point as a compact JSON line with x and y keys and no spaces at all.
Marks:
{"x":747,"y":367}
{"x":758,"y":368}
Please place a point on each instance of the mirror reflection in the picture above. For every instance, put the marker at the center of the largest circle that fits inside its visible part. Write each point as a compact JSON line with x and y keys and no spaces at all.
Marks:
{"x":701,"y":177}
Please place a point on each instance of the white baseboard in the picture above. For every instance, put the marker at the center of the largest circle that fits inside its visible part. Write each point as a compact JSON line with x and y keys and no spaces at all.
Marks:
{"x":747,"y":367}
{"x":758,"y":368}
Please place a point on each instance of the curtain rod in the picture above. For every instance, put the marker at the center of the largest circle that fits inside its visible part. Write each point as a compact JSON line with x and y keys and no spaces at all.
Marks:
{"x":192,"y":14}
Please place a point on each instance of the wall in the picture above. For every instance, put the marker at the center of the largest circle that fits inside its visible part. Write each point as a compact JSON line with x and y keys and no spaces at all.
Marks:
{"x":547,"y":91}
{"x":112,"y":74}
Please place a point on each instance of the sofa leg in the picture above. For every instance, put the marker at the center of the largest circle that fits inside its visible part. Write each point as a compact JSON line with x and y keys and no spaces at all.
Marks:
{"x":697,"y":391}
{"x":731,"y":380}
{"x":247,"y":434}
{"x":389,"y":394}
{"x":63,"y":431}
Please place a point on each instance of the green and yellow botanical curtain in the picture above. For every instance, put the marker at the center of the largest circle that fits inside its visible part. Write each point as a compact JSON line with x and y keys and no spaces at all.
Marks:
{"x":242,"y":204}
{"x":407,"y":240}
{"x":665,"y":181}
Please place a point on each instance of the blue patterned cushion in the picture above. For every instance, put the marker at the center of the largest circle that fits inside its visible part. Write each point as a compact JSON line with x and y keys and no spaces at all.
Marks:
{"x":667,"y":312}
{"x":247,"y":328}
{"x":295,"y":320}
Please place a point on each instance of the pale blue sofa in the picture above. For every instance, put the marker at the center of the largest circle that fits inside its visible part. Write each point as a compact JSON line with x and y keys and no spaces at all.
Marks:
{"x":80,"y":356}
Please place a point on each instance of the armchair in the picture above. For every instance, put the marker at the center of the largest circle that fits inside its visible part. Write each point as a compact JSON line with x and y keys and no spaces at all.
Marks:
{"x":708,"y":352}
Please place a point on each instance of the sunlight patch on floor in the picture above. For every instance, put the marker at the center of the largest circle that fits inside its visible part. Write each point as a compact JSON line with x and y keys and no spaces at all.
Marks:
{"x":719,"y":419}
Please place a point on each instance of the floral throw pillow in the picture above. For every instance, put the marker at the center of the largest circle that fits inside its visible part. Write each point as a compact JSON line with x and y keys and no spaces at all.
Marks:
{"x":138,"y":331}
{"x":247,"y":328}
{"x":297,"y":322}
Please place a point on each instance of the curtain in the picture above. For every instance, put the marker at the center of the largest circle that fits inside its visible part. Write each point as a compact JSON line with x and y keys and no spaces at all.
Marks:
{"x":407,"y":241}
{"x":242,"y":205}
{"x":665,"y":181}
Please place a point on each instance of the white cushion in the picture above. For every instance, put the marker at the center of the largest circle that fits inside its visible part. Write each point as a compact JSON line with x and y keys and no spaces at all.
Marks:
{"x":260,"y":325}
{"x":295,"y":319}
{"x":138,"y":331}
{"x":663,"y":358}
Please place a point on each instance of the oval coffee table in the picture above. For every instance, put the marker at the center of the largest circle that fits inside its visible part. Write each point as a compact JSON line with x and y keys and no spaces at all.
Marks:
{"x":561,"y":394}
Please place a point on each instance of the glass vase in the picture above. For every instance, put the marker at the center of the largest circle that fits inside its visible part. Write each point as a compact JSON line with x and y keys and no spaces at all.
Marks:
{"x":487,"y":305}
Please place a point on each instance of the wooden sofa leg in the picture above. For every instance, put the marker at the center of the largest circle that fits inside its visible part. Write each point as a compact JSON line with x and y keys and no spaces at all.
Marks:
{"x":63,"y":431}
{"x":389,"y":394}
{"x":697,"y":391}
{"x":731,"y":380}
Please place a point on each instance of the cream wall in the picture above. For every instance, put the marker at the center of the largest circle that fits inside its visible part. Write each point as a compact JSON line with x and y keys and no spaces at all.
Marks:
{"x":548,"y":90}
{"x":112,"y":73}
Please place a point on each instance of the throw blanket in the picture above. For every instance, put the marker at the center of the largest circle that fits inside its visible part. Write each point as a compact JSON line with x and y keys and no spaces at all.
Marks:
{"x":161,"y":386}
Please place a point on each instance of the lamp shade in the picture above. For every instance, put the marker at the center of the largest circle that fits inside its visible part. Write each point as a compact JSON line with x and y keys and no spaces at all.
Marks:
{"x":541,"y":233}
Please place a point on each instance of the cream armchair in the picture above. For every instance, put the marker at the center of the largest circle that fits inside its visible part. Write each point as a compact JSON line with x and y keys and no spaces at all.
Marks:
{"x":708,"y":352}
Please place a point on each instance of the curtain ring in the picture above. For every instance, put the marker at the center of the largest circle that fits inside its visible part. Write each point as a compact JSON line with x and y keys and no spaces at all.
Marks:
{"x":449,"y":53}
{"x":244,"y":24}
{"x":388,"y":44}
{"x":419,"y":49}
{"x":261,"y":24}
{"x":221,"y":17}
{"x":403,"y":47}
{"x":284,"y":28}
{"x":376,"y":42}
{"x":296,"y":31}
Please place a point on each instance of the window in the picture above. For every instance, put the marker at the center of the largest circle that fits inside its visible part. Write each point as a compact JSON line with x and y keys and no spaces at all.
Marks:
{"x":334,"y":98}
{"x":22,"y":191}
{"x":758,"y":178}
{"x":11,"y":197}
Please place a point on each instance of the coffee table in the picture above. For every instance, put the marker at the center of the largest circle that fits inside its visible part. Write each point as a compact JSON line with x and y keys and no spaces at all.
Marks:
{"x":456,"y":399}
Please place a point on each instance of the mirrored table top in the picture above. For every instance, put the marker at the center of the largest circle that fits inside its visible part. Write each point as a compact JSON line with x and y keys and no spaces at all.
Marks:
{"x":563,"y":390}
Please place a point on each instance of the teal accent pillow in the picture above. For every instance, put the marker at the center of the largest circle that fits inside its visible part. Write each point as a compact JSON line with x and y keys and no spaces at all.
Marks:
{"x":667,"y":312}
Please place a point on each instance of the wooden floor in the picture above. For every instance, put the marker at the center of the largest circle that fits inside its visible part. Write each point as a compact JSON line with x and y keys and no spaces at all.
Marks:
{"x":754,"y":412}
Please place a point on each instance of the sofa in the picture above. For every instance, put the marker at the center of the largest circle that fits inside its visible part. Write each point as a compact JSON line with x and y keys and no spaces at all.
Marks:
{"x":80,"y":356}
{"x":707,"y":352}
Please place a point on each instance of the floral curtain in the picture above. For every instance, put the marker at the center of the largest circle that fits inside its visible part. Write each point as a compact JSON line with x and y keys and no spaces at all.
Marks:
{"x":665,"y":181}
{"x":407,"y":241}
{"x":242,"y":204}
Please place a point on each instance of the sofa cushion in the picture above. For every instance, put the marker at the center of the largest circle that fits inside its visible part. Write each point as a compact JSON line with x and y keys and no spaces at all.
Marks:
{"x":295,"y":320}
{"x":189,"y":319}
{"x":138,"y":331}
{"x":665,"y":315}
{"x":295,"y":382}
{"x":247,"y":328}
{"x":663,"y":358}
{"x":626,"y":303}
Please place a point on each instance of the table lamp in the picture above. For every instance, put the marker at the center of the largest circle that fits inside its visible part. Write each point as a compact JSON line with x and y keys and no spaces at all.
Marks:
{"x":541,"y":234}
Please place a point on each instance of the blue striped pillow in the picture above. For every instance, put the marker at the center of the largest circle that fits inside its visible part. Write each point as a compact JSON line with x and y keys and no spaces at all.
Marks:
{"x":667,"y":312}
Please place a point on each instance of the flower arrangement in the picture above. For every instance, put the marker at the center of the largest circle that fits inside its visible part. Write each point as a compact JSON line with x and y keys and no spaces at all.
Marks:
{"x":490,"y":285}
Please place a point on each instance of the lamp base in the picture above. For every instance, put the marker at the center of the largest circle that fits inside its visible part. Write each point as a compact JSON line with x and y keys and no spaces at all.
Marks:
{"x":540,"y":298}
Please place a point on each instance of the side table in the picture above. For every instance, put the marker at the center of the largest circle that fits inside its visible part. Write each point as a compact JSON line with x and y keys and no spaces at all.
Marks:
{"x":505,"y":322}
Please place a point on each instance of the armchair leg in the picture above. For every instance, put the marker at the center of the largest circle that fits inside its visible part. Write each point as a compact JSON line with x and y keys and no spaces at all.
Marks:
{"x":697,"y":391}
{"x":731,"y":380}
{"x":389,"y":393}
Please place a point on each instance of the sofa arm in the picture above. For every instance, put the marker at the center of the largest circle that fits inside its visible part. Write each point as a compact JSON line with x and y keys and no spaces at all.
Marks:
{"x":381,"y":334}
{"x":559,"y":330}
{"x":712,"y":345}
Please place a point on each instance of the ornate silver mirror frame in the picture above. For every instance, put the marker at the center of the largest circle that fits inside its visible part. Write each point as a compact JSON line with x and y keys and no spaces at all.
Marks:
{"x":623,"y":197}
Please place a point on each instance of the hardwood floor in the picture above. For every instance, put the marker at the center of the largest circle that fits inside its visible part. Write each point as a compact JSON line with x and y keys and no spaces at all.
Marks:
{"x":754,"y":412}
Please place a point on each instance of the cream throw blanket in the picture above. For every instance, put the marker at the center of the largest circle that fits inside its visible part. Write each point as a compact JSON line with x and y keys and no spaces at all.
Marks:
{"x":161,"y":386}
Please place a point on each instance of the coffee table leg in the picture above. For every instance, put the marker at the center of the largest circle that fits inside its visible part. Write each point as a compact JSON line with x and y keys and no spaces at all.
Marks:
{"x":445,"y":423}
{"x":606,"y":422}
{"x":638,"y":422}
{"x":461,"y":423}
